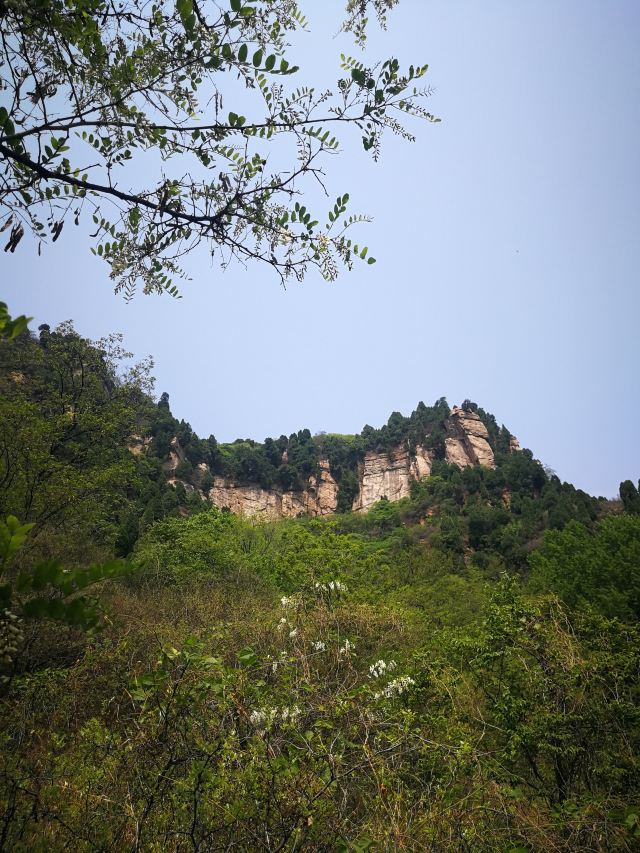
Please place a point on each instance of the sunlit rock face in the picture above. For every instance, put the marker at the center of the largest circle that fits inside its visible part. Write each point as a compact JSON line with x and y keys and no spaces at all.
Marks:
{"x":319,"y":498}
{"x":467,"y":440}
{"x":176,"y":456}
{"x":245,"y":499}
{"x":323,"y":493}
{"x":388,"y":475}
{"x":380,"y":474}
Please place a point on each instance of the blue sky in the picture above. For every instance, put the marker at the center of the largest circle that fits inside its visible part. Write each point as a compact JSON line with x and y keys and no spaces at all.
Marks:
{"x":507,"y":246}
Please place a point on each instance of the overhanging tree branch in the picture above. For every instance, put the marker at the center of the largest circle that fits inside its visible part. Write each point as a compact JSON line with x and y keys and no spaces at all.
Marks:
{"x":137,"y":76}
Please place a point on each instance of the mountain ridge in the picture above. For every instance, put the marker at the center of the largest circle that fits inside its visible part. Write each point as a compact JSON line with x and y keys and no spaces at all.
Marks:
{"x":382,"y":473}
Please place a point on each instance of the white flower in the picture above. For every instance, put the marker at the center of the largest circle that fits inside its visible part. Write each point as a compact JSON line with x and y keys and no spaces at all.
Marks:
{"x":395,"y":688}
{"x":319,"y":646}
{"x":257,"y":719}
{"x":323,"y":242}
{"x":293,"y":633}
{"x":285,"y":602}
{"x":284,"y":236}
{"x":290,"y":714}
{"x":331,"y":586}
{"x":347,"y":648}
{"x":266,"y":717}
{"x":282,"y":624}
{"x":377,"y":669}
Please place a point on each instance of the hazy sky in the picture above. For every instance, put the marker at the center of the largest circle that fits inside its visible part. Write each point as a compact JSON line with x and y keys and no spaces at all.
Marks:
{"x":508,"y":251}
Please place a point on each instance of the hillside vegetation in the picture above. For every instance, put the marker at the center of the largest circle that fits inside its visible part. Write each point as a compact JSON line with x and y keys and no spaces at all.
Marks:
{"x":457,"y":670}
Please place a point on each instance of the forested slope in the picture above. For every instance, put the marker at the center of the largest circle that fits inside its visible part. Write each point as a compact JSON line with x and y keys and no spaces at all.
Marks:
{"x":457,"y":670}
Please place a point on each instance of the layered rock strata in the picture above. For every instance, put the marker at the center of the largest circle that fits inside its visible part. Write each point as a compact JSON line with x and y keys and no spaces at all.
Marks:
{"x":467,"y":440}
{"x":319,"y":498}
{"x":388,"y":475}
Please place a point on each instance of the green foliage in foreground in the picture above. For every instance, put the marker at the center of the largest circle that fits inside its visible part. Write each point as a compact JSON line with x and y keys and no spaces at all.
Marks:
{"x":10,"y":328}
{"x":300,"y":686}
{"x":47,"y":589}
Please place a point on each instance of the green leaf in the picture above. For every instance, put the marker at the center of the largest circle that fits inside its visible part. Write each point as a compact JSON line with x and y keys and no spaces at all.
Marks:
{"x":242,"y":53}
{"x":236,"y":5}
{"x":185,"y":10}
{"x":257,"y":58}
{"x":248,"y":657}
{"x":12,"y":533}
{"x":270,"y":62}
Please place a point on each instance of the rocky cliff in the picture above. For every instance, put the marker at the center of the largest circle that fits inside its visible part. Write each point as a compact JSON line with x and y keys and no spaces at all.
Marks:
{"x":320,"y":497}
{"x":467,"y":441}
{"x":386,"y":474}
{"x":389,"y":475}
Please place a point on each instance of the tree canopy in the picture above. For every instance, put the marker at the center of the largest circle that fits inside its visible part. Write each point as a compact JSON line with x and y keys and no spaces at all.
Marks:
{"x":178,"y":124}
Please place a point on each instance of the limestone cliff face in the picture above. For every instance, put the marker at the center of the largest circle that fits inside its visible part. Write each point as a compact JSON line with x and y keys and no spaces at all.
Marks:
{"x":380,"y":475}
{"x":245,"y":500}
{"x":319,"y":498}
{"x":467,"y":440}
{"x":389,"y":475}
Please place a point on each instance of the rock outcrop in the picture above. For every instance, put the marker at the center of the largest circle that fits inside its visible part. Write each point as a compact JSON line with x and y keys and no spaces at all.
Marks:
{"x":138,"y":444}
{"x":245,"y":499}
{"x":319,"y":498}
{"x":388,"y":475}
{"x":467,"y":440}
{"x":324,"y":492}
{"x":189,"y":489}
{"x":176,"y":456}
{"x":380,"y":474}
